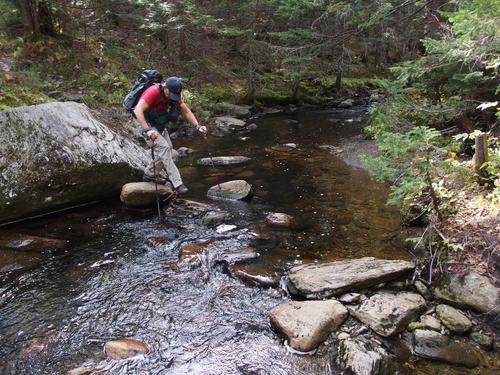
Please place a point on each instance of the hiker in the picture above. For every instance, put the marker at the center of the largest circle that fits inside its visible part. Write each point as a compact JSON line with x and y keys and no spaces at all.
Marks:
{"x":157,"y":105}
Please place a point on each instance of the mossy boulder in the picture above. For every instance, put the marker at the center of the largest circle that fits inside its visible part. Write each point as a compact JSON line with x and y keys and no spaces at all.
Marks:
{"x":57,"y":155}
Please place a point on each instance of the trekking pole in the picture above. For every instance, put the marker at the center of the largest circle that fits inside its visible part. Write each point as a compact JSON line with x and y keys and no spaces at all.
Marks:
{"x":210,"y":156}
{"x":156,"y":180}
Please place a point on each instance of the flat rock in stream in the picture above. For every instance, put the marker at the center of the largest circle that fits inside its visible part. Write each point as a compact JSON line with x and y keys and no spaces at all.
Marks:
{"x":472,"y":291}
{"x":124,"y":348}
{"x":388,"y":313}
{"x":143,"y":194}
{"x":361,"y":356}
{"x":223,"y":160}
{"x":307,"y":324}
{"x":231,"y":190}
{"x":433,"y":345}
{"x":317,"y":281}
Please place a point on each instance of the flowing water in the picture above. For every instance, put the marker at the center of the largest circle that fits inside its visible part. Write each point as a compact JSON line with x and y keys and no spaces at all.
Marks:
{"x":109,"y":281}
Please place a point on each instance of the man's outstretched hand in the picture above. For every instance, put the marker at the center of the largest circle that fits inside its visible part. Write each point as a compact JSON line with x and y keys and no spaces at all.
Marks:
{"x":202,"y":130}
{"x":152,"y":134}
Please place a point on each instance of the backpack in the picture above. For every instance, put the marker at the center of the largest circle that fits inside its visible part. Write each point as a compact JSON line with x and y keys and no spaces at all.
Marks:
{"x":145,"y":80}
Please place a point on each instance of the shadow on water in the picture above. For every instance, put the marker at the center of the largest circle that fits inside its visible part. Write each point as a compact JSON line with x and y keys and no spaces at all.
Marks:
{"x":110,"y":281}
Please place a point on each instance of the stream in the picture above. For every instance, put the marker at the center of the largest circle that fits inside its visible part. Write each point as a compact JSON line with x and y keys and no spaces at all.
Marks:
{"x":120,"y":273}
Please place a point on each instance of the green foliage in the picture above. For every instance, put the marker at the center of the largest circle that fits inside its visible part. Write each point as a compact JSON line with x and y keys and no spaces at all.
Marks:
{"x":415,"y":162}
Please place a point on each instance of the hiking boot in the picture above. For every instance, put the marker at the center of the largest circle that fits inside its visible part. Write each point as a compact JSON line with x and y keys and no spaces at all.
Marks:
{"x":155,"y":179}
{"x":182,"y":189}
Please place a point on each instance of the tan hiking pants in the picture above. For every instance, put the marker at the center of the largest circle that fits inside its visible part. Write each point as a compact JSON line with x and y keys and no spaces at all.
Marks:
{"x":162,"y":147}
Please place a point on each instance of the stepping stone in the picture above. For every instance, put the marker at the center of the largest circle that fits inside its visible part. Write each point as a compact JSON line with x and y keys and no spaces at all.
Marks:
{"x":318,"y":281}
{"x":307,"y":324}
{"x":389,"y":313}
{"x":223,"y":160}
{"x":143,"y":194}
{"x":232,"y":190}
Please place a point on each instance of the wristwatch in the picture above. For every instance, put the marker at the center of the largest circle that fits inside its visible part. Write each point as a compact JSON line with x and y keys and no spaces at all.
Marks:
{"x":145,"y":130}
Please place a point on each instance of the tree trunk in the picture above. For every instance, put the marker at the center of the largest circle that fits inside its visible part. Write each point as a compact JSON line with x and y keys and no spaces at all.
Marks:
{"x":481,"y":155}
{"x":338,"y":80}
{"x":30,"y":16}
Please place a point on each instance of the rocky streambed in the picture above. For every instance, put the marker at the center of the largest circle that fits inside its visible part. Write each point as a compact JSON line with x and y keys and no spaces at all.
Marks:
{"x":310,"y":276}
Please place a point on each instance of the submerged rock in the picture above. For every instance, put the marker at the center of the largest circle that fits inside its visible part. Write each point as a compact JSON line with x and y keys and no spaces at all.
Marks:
{"x":184,"y":151}
{"x":223,"y":160}
{"x":254,"y":278}
{"x":360,"y":356}
{"x":31,"y":243}
{"x":124,"y":348}
{"x":453,"y":319}
{"x":231,"y":256}
{"x":35,"y":346}
{"x":279,"y":219}
{"x":214,"y":218}
{"x":316,"y":281}
{"x":307,"y":324}
{"x":472,"y":291}
{"x":348,"y":103}
{"x":83,"y":370}
{"x":56,"y":155}
{"x":143,"y":194}
{"x":388,"y":313}
{"x":333,"y":150}
{"x":191,"y":249}
{"x":433,"y":345}
{"x":482,"y":340}
{"x":232,"y":190}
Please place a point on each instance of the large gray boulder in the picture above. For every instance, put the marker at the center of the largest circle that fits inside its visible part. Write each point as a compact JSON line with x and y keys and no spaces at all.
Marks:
{"x":143,"y":194}
{"x":231,"y":190}
{"x":471,"y":291}
{"x":317,"y":281}
{"x":57,"y":155}
{"x":433,"y":345}
{"x":307,"y":324}
{"x":388,"y":313}
{"x":361,"y":356}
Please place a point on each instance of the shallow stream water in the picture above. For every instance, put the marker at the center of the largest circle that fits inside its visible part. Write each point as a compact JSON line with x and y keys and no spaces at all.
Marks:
{"x":120,"y":274}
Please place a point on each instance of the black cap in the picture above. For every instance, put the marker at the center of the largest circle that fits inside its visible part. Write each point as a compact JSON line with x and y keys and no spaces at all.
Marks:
{"x":174,"y":85}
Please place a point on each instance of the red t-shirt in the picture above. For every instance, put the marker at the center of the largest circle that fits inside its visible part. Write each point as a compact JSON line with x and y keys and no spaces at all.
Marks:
{"x":152,"y":97}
